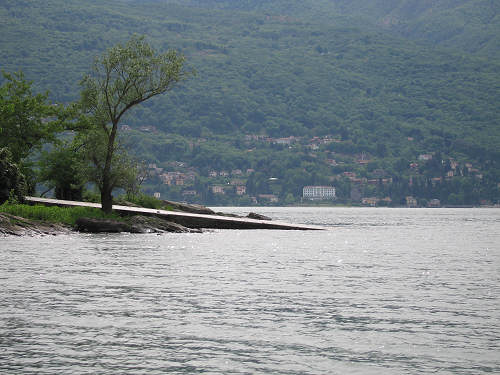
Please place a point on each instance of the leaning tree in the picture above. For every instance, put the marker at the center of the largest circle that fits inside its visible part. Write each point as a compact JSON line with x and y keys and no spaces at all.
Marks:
{"x":123,"y":77}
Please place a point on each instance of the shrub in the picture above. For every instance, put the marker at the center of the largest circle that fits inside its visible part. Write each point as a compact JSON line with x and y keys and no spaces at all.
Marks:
{"x":63,"y":215}
{"x":145,"y":201}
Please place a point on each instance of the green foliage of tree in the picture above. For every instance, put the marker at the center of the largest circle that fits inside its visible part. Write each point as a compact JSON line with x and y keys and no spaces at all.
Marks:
{"x":62,"y":169}
{"x":12,"y":181}
{"x":26,"y":119}
{"x":123,"y":77}
{"x":123,"y":170}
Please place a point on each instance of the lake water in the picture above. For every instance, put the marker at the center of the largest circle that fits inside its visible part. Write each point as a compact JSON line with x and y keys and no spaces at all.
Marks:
{"x":385,"y":291}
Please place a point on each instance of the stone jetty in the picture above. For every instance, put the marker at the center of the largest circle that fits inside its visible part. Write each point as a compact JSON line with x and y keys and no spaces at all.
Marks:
{"x":186,"y":219}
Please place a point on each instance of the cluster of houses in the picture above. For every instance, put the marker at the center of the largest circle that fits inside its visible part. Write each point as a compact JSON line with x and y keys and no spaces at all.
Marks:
{"x":234,"y":172}
{"x":233,"y":182}
{"x":354,"y":179}
{"x":455,"y":169}
{"x":239,"y":189}
{"x":172,"y":178}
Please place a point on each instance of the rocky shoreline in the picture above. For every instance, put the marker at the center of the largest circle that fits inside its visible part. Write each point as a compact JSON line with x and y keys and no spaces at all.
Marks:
{"x":11,"y":225}
{"x":134,"y":224}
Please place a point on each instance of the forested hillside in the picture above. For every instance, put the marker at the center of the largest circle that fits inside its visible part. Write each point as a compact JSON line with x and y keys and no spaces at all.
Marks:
{"x":299,"y":92}
{"x":471,"y":25}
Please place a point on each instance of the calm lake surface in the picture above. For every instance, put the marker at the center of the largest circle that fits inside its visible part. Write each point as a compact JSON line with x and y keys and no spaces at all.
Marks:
{"x":385,"y":291}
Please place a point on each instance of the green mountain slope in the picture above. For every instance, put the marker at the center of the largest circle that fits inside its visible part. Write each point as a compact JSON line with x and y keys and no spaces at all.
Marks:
{"x":281,"y":68}
{"x":469,"y":25}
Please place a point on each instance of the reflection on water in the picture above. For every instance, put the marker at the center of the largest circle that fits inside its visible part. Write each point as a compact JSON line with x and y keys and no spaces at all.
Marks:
{"x":385,"y":291}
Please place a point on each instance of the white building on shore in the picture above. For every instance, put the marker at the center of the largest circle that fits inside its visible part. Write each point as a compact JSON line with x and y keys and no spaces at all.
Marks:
{"x":318,"y":192}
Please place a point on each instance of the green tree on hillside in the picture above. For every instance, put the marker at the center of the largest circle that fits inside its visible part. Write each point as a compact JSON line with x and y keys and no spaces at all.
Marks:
{"x":124,"y":76}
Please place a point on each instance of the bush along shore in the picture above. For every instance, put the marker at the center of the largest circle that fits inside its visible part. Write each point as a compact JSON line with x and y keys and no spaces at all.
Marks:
{"x":22,"y":219}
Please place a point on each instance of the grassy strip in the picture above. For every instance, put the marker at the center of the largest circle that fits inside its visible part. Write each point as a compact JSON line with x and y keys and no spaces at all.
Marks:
{"x":62,"y":215}
{"x":146,"y":201}
{"x":143,"y":200}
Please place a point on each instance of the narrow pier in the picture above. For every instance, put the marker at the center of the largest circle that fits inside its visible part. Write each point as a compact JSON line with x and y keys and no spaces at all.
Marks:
{"x":189,"y":220}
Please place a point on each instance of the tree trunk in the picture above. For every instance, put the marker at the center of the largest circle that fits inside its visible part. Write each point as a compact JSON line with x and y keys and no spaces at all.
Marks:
{"x":106,"y":193}
{"x":107,"y":188}
{"x":106,"y":199}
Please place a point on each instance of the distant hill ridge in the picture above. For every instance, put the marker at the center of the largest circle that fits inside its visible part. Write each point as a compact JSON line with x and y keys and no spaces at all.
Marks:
{"x":470,"y":25}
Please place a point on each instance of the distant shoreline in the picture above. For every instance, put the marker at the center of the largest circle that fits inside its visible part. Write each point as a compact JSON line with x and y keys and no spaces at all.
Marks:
{"x":357,"y":206}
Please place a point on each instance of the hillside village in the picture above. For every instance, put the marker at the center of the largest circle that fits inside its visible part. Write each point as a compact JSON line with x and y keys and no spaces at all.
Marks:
{"x":358,"y":178}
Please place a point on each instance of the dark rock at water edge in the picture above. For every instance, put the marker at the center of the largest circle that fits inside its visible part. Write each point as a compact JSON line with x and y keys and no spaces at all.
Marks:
{"x":85,"y":224}
{"x":253,"y":215}
{"x":190,"y":208}
{"x":228,"y":214}
{"x":136,"y":224}
{"x":150,"y":224}
{"x":11,"y":225}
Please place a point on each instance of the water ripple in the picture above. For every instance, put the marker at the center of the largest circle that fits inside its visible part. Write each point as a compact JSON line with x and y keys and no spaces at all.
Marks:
{"x":385,"y":291}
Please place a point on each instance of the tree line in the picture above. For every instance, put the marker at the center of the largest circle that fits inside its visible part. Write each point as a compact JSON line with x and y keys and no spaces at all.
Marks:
{"x":79,"y":143}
